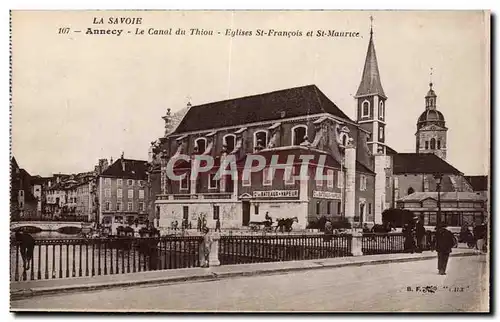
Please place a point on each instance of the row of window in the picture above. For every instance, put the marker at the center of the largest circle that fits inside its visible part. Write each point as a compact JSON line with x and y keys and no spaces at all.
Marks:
{"x":366,"y":111}
{"x":452,"y":219}
{"x":119,"y":193}
{"x":362,"y":206}
{"x":260,"y":139}
{"x":119,"y":182}
{"x":434,"y":144}
{"x":119,"y":206}
{"x":213,"y":183}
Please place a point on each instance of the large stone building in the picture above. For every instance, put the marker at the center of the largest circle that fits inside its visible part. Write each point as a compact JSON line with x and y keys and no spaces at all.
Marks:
{"x":23,"y":204}
{"x":122,"y":191}
{"x":289,"y":123}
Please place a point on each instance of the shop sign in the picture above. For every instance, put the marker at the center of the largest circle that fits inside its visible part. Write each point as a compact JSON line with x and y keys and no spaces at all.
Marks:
{"x":276,"y":194}
{"x":326,"y":194}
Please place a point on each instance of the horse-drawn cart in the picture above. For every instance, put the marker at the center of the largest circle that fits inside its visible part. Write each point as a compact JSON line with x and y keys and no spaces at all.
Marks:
{"x":265,"y":226}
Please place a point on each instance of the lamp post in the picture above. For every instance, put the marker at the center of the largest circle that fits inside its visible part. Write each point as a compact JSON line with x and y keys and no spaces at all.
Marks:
{"x":438,"y":178}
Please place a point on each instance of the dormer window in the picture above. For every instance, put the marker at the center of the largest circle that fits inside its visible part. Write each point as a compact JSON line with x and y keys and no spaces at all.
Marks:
{"x":229,"y":141}
{"x":260,"y":140}
{"x":200,"y":145}
{"x":365,"y":109}
{"x":299,"y":134}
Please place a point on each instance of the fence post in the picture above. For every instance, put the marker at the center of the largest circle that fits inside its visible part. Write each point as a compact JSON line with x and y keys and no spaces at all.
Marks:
{"x":213,"y":257}
{"x":356,"y":243}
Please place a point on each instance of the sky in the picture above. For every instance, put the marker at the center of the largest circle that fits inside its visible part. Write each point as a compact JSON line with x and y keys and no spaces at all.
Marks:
{"x":77,"y":97}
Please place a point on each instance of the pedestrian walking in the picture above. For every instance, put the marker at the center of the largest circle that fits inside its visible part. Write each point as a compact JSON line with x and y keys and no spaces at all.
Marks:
{"x":445,"y":241}
{"x":419,"y":234}
{"x":409,"y":242}
{"x":480,"y":236}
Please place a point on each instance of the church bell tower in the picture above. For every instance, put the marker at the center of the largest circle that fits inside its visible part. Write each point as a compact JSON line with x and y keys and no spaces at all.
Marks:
{"x":431,"y":128}
{"x":370,"y":100}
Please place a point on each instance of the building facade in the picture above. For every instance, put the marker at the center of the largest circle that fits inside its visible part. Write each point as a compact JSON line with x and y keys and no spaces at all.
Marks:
{"x":293,"y":123}
{"x":23,"y":204}
{"x":122,"y":194}
{"x":457,"y":208}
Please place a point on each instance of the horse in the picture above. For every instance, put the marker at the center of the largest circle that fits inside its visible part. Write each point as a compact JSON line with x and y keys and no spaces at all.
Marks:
{"x":382,"y":229}
{"x":285,"y":224}
{"x":26,"y":246}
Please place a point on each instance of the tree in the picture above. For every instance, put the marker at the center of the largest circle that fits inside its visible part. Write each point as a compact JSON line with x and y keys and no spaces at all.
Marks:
{"x":397,"y":217}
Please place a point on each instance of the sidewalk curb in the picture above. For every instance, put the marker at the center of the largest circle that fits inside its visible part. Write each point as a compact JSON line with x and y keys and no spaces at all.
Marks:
{"x":208,"y":276}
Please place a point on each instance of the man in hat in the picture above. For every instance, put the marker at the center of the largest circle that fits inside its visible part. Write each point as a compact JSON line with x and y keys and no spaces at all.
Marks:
{"x":445,"y":241}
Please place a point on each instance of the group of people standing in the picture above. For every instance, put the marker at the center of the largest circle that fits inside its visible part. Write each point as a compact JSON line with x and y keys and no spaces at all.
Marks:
{"x":414,"y":233}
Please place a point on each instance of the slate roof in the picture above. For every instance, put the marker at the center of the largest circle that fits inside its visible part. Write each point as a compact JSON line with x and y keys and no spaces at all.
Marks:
{"x":445,"y":196}
{"x":421,"y":163}
{"x":134,"y":169}
{"x":390,"y":151}
{"x":370,"y":80}
{"x":293,"y":102}
{"x":478,"y":183}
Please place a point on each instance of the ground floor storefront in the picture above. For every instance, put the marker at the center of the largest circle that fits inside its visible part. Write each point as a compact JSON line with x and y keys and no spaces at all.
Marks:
{"x":452,"y":217}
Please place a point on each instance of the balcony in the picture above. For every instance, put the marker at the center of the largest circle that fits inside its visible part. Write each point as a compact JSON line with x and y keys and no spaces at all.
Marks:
{"x":197,"y":196}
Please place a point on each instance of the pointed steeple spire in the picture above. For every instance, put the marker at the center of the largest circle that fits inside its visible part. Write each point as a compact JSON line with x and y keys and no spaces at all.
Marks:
{"x":370,"y":81}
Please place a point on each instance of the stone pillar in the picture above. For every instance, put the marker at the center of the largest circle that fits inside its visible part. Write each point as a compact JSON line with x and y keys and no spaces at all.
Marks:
{"x":356,"y":243}
{"x":213,"y":258}
{"x":350,"y":189}
{"x":381,"y":162}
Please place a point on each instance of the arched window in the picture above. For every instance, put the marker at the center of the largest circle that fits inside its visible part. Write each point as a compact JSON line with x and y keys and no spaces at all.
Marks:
{"x":433,"y":144}
{"x":365,"y":109}
{"x":439,"y":144}
{"x":427,"y":145}
{"x":299,"y":133}
{"x":229,"y":141}
{"x":381,"y":110}
{"x":260,"y":140}
{"x":200,"y":144}
{"x":344,"y":139}
{"x":410,"y":190}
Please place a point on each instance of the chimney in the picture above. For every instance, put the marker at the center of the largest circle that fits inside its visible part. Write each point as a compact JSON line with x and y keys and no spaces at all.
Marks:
{"x":123,"y":162}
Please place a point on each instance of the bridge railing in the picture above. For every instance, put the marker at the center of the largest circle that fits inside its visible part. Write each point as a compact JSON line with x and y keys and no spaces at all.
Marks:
{"x":273,"y":248}
{"x":65,"y":258}
{"x":52,"y":219}
{"x":379,"y":243}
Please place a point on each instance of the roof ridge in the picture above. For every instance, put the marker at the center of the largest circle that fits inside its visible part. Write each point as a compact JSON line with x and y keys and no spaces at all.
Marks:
{"x":253,"y":95}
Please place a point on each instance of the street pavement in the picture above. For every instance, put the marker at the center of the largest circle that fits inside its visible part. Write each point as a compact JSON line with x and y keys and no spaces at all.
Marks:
{"x":405,"y":286}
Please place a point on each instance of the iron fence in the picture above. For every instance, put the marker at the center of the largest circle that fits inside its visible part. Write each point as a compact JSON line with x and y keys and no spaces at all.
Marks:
{"x":65,"y":258}
{"x":378,"y":243}
{"x":273,"y":248}
{"x":64,"y":218}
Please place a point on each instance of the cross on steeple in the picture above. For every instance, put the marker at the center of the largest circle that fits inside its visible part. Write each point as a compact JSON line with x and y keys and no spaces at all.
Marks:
{"x":430,"y":78}
{"x":371,"y":25}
